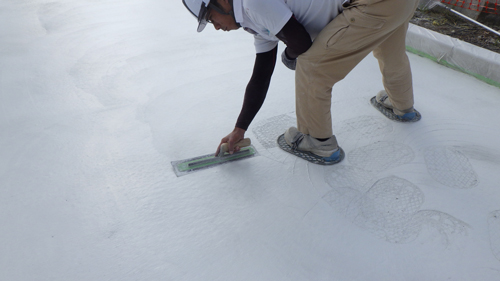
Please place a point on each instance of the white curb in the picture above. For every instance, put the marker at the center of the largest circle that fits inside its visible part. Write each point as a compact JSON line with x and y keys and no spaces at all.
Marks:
{"x":478,"y":62}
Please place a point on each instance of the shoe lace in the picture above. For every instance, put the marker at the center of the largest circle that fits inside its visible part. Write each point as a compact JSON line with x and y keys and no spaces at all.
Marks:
{"x":296,"y":141}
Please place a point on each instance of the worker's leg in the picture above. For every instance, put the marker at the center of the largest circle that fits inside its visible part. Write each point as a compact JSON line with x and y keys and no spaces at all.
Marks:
{"x":395,"y":69}
{"x":341,"y":45}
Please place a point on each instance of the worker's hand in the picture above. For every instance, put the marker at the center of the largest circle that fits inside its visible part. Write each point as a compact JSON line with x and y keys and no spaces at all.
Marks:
{"x":235,"y":136}
{"x":288,"y":62}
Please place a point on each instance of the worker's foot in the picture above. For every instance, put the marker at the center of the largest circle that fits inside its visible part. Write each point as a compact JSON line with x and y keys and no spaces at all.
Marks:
{"x":324,"y":152}
{"x":382,"y":102}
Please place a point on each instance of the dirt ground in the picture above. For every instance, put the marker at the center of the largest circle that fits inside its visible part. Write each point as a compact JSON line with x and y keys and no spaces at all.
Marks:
{"x":455,"y":26}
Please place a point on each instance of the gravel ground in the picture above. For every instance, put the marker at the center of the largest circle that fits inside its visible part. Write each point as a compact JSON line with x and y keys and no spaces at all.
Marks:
{"x":454,"y":26}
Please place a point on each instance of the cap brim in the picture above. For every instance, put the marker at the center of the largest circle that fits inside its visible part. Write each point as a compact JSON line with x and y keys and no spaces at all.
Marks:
{"x":202,"y":18}
{"x":202,"y":25}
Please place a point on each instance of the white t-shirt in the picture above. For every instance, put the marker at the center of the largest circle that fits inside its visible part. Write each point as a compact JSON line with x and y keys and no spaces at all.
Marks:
{"x":265,"y":18}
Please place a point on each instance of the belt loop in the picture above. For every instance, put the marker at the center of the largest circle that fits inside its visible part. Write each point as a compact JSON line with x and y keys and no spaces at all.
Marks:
{"x":346,"y":3}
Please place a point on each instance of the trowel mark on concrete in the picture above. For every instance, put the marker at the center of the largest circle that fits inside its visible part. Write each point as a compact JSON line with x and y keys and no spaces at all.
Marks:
{"x":363,"y":126}
{"x":448,"y":166}
{"x":381,"y":156}
{"x":347,"y":184}
{"x":445,"y":224}
{"x":348,"y":176}
{"x":267,"y":131}
{"x":390,"y":210}
{"x":494,"y":231}
{"x":387,"y":209}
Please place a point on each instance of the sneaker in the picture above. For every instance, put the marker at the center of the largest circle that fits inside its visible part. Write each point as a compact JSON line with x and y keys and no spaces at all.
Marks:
{"x":407,"y":115}
{"x":327,"y":150}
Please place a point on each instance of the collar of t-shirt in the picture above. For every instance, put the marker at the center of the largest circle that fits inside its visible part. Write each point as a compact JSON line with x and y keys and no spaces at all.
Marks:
{"x":262,"y":28}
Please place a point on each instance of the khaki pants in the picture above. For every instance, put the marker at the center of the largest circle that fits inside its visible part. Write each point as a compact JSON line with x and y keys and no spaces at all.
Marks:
{"x":364,"y":26}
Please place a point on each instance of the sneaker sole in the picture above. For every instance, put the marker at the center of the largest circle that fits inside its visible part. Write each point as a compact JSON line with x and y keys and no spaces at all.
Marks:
{"x":391,"y":115}
{"x":308,"y":156}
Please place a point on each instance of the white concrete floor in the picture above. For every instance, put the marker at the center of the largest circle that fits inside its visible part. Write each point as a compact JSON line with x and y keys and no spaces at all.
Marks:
{"x":98,"y":97}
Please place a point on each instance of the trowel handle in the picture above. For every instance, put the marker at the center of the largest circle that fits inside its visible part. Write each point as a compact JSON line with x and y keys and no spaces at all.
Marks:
{"x":242,"y":143}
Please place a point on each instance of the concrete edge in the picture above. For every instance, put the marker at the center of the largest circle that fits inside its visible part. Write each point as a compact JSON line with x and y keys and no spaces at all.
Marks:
{"x":459,"y":55}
